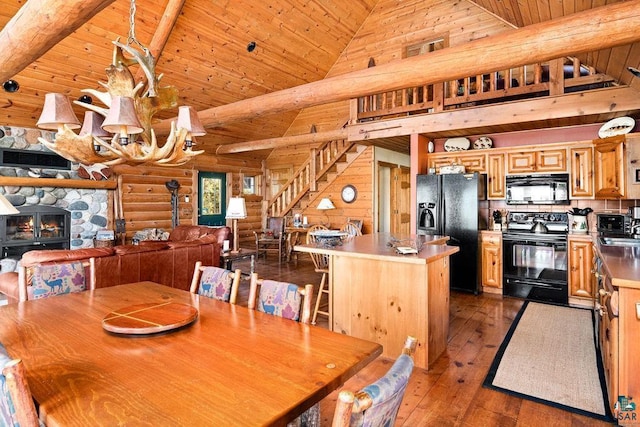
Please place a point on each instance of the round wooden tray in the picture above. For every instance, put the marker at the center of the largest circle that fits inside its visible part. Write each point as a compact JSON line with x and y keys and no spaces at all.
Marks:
{"x":149,"y":318}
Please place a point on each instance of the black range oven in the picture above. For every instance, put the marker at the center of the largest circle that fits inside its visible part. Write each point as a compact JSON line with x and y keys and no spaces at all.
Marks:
{"x":535,"y":258}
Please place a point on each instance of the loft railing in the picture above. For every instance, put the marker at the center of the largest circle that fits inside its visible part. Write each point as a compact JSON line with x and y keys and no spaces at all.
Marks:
{"x":305,"y":179}
{"x":547,"y":78}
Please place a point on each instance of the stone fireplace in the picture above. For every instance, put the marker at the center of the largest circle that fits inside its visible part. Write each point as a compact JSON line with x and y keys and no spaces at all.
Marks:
{"x":87,"y":208}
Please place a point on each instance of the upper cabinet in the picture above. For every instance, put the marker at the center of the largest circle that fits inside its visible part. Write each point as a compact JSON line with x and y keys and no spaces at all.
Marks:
{"x":552,"y":160}
{"x":581,"y":169}
{"x":632,"y":154}
{"x":496,"y":177}
{"x":609,"y":166}
{"x":473,"y":162}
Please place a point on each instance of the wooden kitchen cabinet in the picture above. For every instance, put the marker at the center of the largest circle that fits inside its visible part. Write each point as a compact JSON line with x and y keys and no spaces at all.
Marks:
{"x":473,"y":162}
{"x":581,"y":164}
{"x":581,"y":283}
{"x":609,"y":345}
{"x":491,"y":256}
{"x":496,"y":177}
{"x":551,"y":160}
{"x":618,"y":330}
{"x":609,"y":167}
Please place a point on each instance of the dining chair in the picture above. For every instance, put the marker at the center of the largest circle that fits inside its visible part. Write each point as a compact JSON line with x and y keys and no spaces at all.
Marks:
{"x":357,"y":222}
{"x":272,"y":238}
{"x":215,"y":282}
{"x":281,"y":299}
{"x":351,"y":229}
{"x":290,"y":301}
{"x":321,"y":265}
{"x":377,"y":404}
{"x":16,"y":402}
{"x":45,"y":280}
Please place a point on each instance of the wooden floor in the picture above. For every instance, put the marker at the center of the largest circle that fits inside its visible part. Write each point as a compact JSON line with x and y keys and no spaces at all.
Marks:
{"x":451,"y":392}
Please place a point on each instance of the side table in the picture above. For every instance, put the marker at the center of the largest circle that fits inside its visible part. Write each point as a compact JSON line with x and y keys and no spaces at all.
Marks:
{"x":226,"y":259}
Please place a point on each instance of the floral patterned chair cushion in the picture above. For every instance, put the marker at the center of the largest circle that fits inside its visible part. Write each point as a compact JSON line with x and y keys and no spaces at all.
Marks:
{"x":56,"y":279}
{"x":280,"y":299}
{"x":387,"y":395}
{"x":7,"y":410}
{"x":216,"y":283}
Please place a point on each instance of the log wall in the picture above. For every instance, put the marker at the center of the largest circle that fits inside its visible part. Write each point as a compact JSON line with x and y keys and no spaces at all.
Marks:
{"x":146,"y":201}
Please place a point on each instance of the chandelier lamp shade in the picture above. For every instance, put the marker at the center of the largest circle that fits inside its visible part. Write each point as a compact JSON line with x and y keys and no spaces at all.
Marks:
{"x":92,"y":125}
{"x":127,"y":114}
{"x":122,"y":119}
{"x":188,"y":119}
{"x":236,"y":209}
{"x":57,"y":112}
{"x":6,"y":208}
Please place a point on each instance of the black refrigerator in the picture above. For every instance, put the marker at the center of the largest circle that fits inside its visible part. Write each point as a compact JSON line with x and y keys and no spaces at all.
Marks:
{"x":448,"y":205}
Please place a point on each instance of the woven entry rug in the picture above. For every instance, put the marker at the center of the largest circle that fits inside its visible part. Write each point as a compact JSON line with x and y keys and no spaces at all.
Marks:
{"x":549,"y":356}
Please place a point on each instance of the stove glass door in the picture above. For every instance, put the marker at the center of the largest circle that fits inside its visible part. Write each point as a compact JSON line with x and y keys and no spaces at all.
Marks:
{"x":536,"y":260}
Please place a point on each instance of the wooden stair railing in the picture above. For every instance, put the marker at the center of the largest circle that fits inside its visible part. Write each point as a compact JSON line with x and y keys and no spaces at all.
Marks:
{"x":553,"y":77}
{"x":305,"y":179}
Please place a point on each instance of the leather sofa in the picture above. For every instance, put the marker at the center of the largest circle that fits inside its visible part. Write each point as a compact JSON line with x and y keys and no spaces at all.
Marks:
{"x":170,"y":262}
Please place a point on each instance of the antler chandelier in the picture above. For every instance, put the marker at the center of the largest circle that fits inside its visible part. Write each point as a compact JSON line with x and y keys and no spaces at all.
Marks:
{"x":129,"y":110}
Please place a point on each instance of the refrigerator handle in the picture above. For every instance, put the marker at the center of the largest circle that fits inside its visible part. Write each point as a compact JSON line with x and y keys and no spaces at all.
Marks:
{"x":442,"y":217}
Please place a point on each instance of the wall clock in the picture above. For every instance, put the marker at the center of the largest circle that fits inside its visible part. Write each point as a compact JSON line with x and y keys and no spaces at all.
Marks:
{"x":349,"y":193}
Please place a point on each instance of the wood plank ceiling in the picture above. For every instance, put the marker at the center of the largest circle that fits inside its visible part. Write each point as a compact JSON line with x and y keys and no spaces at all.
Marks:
{"x":207,"y":57}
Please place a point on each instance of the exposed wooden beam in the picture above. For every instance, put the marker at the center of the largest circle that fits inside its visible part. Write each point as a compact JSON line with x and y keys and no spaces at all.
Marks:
{"x":160,"y":37}
{"x":587,"y":31}
{"x":285,"y":141}
{"x":594,"y":102}
{"x":38,"y":26}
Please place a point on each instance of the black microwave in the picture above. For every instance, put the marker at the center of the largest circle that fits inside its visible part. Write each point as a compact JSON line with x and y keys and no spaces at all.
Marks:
{"x":544,"y":189}
{"x":613,"y":224}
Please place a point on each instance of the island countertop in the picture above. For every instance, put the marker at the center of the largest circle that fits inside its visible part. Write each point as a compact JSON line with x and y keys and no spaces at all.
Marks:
{"x":378,"y":294}
{"x":376,"y":246}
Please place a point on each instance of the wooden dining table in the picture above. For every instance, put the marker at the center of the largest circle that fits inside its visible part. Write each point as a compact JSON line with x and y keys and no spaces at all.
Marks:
{"x":231,"y":366}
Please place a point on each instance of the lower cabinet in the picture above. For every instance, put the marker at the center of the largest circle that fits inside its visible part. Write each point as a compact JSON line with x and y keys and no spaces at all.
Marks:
{"x":491,"y":259}
{"x":580,"y":277}
{"x":619,"y":347}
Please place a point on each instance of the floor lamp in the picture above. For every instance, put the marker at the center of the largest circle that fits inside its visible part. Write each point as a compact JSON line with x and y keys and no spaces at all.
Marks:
{"x":236,"y":210}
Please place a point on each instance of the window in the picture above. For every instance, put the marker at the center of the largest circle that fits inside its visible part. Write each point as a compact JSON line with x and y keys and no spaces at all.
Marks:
{"x":427,"y":46}
{"x":249,"y":185}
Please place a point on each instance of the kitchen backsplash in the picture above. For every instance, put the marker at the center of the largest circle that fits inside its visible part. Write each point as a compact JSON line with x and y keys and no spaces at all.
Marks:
{"x":599,"y":206}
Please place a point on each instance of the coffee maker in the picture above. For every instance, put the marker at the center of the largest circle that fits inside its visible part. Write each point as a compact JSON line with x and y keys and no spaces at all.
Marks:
{"x":634,"y":213}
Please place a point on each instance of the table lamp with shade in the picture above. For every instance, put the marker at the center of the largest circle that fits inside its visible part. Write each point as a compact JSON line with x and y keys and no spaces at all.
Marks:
{"x":324,"y":205}
{"x":6,"y":208}
{"x":236,"y":209}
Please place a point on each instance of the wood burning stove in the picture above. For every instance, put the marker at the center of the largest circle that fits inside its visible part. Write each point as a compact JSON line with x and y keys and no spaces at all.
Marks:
{"x":35,"y":227}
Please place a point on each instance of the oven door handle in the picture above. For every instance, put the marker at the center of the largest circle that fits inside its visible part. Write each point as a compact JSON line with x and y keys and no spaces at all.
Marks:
{"x":526,"y":240}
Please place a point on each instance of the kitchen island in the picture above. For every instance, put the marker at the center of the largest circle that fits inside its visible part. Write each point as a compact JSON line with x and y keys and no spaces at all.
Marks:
{"x":382,"y":296}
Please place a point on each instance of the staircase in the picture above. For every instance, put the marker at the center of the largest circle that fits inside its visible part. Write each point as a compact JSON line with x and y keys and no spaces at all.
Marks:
{"x":325,"y":164}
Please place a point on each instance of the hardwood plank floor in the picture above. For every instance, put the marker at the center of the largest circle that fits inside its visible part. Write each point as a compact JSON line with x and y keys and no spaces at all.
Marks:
{"x":451,"y":392}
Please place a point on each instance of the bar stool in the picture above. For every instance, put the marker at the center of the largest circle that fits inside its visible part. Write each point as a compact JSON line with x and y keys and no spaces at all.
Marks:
{"x":321,"y":264}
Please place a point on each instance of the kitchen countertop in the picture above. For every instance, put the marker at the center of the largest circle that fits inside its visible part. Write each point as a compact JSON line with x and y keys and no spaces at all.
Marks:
{"x":622,"y":264}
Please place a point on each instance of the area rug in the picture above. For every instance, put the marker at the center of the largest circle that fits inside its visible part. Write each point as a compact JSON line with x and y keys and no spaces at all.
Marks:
{"x":549,"y":356}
